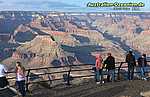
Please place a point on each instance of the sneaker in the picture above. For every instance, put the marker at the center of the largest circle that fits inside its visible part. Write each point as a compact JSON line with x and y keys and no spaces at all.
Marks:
{"x":144,"y":79}
{"x":103,"y":82}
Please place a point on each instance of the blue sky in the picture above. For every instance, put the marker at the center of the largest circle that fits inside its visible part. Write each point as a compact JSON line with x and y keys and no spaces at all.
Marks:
{"x":60,"y":5}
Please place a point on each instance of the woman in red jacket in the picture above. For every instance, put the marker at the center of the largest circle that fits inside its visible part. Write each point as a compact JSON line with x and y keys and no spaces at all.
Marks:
{"x":98,"y":71}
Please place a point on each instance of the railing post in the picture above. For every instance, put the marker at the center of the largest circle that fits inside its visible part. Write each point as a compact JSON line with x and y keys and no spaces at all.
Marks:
{"x":49,"y":78}
{"x":27,"y":81}
{"x":68,"y":76}
{"x":119,"y":70}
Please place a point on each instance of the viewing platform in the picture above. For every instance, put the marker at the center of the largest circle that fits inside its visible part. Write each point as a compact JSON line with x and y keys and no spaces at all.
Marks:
{"x":69,"y":84}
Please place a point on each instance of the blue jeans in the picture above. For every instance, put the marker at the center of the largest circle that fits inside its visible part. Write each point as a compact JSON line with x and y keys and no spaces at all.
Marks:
{"x":142,"y":72}
{"x":98,"y":75}
{"x":111,"y":73}
{"x":130,"y":72}
{"x":21,"y":87}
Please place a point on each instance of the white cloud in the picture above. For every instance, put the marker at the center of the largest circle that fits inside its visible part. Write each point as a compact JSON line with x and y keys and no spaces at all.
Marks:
{"x":1,"y":2}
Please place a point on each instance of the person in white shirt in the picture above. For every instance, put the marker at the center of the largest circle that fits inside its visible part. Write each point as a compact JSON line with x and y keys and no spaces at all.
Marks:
{"x":20,"y":78}
{"x":3,"y":79}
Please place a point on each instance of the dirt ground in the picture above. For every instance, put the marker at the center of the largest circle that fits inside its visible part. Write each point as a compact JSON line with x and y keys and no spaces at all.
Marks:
{"x":91,"y":89}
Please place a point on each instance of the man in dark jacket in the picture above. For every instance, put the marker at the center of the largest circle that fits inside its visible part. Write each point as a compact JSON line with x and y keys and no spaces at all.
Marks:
{"x":130,"y":59}
{"x":110,"y":66}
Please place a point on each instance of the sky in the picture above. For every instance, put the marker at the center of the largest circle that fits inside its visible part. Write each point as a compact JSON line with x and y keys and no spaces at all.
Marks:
{"x":60,"y":5}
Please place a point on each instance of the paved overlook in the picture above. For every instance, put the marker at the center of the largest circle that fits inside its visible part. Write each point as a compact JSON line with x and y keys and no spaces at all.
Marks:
{"x":81,"y":86}
{"x":90,"y":89}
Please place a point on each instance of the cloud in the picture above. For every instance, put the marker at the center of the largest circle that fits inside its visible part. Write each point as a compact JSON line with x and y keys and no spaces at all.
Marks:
{"x":1,"y":2}
{"x":48,"y":4}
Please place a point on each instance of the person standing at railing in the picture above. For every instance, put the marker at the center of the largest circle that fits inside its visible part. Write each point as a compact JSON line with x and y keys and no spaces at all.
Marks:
{"x":110,"y":66}
{"x":130,"y":59}
{"x":3,"y":80}
{"x":142,"y":64}
{"x":98,"y":67}
{"x":20,"y":78}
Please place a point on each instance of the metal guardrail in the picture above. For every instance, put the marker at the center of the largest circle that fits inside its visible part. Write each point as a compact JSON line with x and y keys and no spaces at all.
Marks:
{"x":70,"y":69}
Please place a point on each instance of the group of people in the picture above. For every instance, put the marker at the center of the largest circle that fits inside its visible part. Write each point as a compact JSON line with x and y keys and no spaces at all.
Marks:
{"x":142,"y":63}
{"x":109,"y":65}
{"x":20,"y":77}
